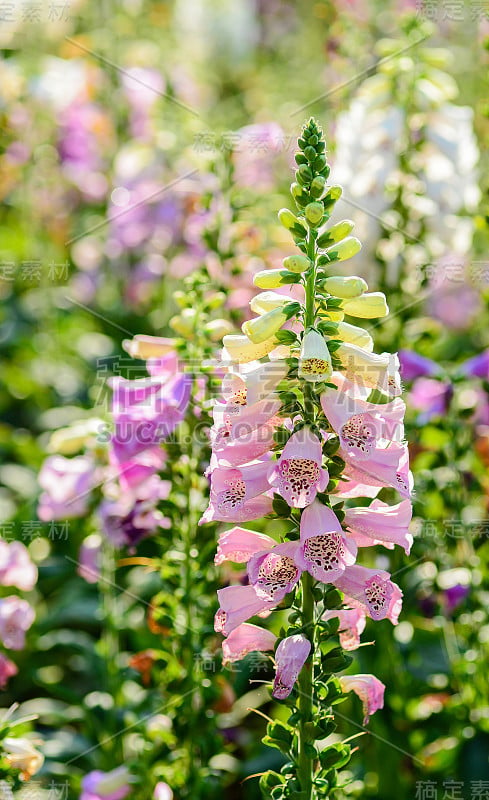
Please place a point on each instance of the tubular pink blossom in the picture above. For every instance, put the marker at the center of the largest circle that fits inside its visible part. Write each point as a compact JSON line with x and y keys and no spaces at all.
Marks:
{"x":324,"y":551}
{"x":246,"y":639}
{"x":239,"y":544}
{"x":273,"y":572}
{"x":364,"y":428}
{"x":367,"y":478}
{"x":352,"y":624}
{"x":298,"y":474}
{"x":237,"y":605}
{"x":250,"y":445}
{"x":235,"y":493}
{"x":368,"y":688}
{"x":290,"y":657}
{"x":380,"y":523}
{"x":374,"y":590}
{"x":16,"y":617}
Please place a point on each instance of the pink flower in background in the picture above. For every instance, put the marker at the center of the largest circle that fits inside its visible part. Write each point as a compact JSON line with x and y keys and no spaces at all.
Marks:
{"x":7,"y":670}
{"x":290,"y":657}
{"x":237,"y":494}
{"x":253,"y":154}
{"x":298,"y":474}
{"x":324,"y":552}
{"x":236,"y":605}
{"x":16,"y":567}
{"x":113,"y":785}
{"x":352,"y":624}
{"x":89,"y":558}
{"x":246,"y":639}
{"x":374,"y":590}
{"x":430,"y":397}
{"x":67,"y":484}
{"x":16,"y":617}
{"x":162,"y":792}
{"x":368,"y":688}
{"x":380,"y":523}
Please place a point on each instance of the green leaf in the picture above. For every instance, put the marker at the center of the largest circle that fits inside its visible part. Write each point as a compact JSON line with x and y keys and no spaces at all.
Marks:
{"x":335,"y":756}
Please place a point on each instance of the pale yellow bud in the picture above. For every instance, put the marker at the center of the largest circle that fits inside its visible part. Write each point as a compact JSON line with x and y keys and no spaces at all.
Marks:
{"x":346,"y":288}
{"x":368,"y":306}
{"x":267,"y":301}
{"x":143,"y":346}
{"x":72,"y":439}
{"x":273,"y":278}
{"x":262,"y":328}
{"x":354,"y":335}
{"x":242,"y":350}
{"x":217,"y":328}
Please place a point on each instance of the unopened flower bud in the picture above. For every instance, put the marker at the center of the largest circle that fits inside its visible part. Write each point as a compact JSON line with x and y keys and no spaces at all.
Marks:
{"x":314,"y":213}
{"x":304,"y":175}
{"x":184,"y":323}
{"x":267,"y":301}
{"x":217,"y":328}
{"x":299,"y":263}
{"x":368,"y":306}
{"x":348,"y":248}
{"x":345,"y":287}
{"x":273,"y":278}
{"x":287,"y":218}
{"x":354,"y":335}
{"x":262,"y":328}
{"x":243,"y":350}
{"x":336,"y":233}
{"x":317,"y":186}
{"x":143,"y":346}
{"x":332,"y":195}
{"x":300,"y":196}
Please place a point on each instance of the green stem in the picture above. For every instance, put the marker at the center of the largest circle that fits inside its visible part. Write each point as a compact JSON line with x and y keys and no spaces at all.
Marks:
{"x":305,"y":764}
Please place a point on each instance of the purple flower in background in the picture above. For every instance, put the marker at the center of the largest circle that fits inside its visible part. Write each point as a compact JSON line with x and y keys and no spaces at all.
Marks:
{"x":453,"y":301}
{"x":147,"y":411}
{"x":142,"y":87}
{"x":477,"y":367}
{"x":290,"y":657}
{"x":16,"y":617}
{"x":16,"y":567}
{"x":415,"y":366}
{"x":83,"y":128}
{"x":89,"y":558}
{"x":113,"y":785}
{"x":430,"y":397}
{"x":68,"y":483}
{"x":454,"y":596}
{"x":133,"y":515}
